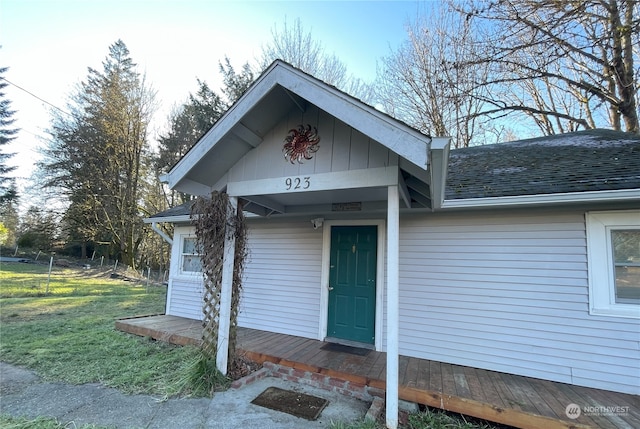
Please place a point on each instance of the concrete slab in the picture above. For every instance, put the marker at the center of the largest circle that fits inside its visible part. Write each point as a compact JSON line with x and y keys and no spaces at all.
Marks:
{"x":22,"y":393}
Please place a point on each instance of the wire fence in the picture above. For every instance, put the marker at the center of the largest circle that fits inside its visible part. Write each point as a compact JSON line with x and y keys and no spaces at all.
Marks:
{"x":96,"y":264}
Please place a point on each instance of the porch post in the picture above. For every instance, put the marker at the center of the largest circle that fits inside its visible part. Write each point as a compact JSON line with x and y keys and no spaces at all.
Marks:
{"x":393,"y":280}
{"x":228,"y":259}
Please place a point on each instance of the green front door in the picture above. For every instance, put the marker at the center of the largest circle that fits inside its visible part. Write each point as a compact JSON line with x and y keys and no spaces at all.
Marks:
{"x":352,"y":283}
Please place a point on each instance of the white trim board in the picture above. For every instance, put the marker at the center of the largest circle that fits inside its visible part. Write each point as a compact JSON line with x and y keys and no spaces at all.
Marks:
{"x":353,"y":179}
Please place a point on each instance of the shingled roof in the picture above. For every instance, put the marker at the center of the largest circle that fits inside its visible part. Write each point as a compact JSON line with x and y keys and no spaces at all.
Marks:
{"x":593,"y":160}
{"x":181,"y":211}
{"x":584,"y":161}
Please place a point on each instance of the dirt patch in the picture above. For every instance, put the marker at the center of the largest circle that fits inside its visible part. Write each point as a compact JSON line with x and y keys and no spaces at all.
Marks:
{"x":290,"y":402}
{"x":241,"y":367}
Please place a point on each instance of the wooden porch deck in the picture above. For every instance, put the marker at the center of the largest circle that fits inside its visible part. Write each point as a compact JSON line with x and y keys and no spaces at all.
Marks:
{"x":503,"y":398}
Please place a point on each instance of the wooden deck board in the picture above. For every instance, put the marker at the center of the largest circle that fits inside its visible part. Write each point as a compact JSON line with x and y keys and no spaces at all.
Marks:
{"x":422,"y":381}
{"x":435,"y":380}
{"x":518,"y":394}
{"x":462,"y":387}
{"x":557,"y":399}
{"x":503,"y":391}
{"x":584,"y":397}
{"x":606,"y":399}
{"x":504,"y":398}
{"x":448,"y":382}
{"x":489,"y":390}
{"x":411,"y":373}
{"x":476,"y":388}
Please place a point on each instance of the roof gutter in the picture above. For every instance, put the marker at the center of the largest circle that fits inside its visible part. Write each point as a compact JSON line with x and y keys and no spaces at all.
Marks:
{"x":161,"y":233}
{"x":621,"y":195}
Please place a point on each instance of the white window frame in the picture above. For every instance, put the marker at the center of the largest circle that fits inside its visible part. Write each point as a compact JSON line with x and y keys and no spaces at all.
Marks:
{"x":181,"y":255}
{"x":602,"y":300}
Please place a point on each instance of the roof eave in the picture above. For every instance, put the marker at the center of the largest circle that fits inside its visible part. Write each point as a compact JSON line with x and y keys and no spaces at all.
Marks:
{"x":171,"y":219}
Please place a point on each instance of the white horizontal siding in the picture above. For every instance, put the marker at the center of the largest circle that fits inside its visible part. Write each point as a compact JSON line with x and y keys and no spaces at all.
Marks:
{"x":184,"y":295}
{"x":510,"y":293}
{"x":281,"y":286}
{"x":186,"y":299}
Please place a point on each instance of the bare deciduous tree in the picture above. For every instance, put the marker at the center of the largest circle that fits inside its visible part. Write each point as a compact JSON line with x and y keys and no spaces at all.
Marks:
{"x":565,"y":64}
{"x":298,"y":47}
{"x":428,"y":82}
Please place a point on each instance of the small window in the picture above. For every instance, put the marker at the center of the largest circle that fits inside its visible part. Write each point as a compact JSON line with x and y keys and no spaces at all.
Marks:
{"x":614,"y":263}
{"x":625,"y":244}
{"x":191,"y":262}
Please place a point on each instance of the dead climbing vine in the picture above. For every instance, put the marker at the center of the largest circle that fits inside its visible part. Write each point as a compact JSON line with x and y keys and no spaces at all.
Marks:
{"x":213,"y":218}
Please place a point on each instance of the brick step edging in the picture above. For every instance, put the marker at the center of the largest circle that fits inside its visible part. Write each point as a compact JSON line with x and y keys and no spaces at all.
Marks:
{"x":313,"y":379}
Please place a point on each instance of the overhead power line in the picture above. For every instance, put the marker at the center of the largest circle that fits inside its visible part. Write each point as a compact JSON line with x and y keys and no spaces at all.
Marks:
{"x":35,"y":96}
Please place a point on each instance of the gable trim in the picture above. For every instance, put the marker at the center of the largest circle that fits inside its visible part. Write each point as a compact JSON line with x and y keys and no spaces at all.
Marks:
{"x":403,"y":140}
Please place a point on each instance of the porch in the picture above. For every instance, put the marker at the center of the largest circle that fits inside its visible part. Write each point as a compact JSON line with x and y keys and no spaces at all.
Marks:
{"x":503,"y":398}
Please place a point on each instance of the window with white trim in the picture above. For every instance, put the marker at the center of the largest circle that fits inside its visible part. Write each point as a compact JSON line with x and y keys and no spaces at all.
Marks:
{"x":613,"y":247}
{"x":189,"y":257}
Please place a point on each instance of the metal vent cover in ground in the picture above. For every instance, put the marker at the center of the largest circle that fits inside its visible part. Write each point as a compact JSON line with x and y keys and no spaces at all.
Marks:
{"x":295,"y":403}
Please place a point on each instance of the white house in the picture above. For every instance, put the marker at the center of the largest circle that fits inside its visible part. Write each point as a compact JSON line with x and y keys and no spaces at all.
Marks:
{"x":520,"y":257}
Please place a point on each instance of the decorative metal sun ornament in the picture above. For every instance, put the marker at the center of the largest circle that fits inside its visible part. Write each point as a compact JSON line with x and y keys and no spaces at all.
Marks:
{"x":301,"y":143}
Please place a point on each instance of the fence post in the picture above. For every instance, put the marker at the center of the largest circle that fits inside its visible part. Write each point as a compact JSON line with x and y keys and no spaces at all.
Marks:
{"x":49,"y":277}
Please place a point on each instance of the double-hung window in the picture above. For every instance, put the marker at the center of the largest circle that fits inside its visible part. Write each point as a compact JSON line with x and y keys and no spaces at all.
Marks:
{"x":613,"y":246}
{"x":189,"y":257}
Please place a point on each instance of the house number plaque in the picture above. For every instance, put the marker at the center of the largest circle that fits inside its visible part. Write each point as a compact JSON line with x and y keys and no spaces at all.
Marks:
{"x":293,"y":183}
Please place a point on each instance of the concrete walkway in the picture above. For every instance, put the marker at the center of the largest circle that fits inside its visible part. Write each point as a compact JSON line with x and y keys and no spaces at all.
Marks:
{"x":23,"y":394}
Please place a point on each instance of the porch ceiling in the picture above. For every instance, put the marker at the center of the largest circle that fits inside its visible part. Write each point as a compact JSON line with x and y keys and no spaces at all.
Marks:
{"x":414,"y":194}
{"x":318,"y":202}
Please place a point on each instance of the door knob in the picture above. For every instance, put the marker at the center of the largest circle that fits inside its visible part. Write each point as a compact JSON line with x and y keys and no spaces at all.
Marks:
{"x":330,"y":288}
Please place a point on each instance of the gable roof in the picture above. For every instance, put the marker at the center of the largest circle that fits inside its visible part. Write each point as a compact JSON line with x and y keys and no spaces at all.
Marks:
{"x":592,"y":165}
{"x":581,"y":165}
{"x":275,"y":92}
{"x":587,"y":166}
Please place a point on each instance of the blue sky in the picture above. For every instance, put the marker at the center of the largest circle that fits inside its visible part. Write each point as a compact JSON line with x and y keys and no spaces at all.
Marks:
{"x":48,"y":45}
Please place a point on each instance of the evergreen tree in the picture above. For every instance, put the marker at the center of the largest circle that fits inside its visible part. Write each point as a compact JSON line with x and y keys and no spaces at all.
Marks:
{"x":193,"y":119}
{"x":38,"y":229}
{"x":9,"y":220}
{"x":97,"y":154}
{"x":7,"y":134}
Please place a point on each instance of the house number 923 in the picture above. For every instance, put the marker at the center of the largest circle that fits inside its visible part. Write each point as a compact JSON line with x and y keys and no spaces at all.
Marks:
{"x":292,"y":183}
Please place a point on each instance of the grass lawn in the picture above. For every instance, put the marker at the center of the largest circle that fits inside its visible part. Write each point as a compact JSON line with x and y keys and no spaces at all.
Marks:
{"x":68,"y":335}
